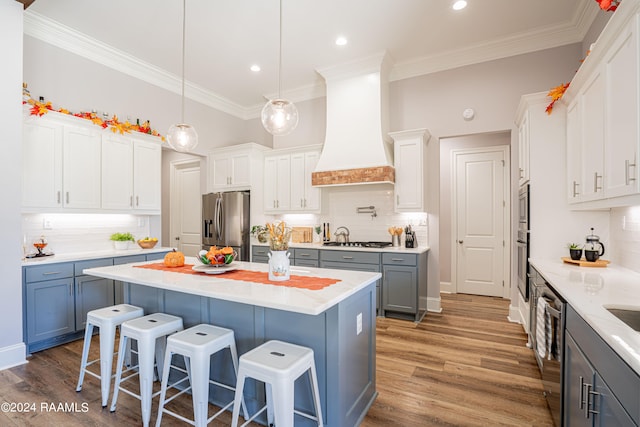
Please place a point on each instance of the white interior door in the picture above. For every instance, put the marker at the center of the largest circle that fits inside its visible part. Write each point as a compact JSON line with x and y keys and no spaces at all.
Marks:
{"x":479,"y":218}
{"x":186,"y":208}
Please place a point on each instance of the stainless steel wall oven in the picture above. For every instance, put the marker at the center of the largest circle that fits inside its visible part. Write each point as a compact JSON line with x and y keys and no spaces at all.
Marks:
{"x":523,"y":241}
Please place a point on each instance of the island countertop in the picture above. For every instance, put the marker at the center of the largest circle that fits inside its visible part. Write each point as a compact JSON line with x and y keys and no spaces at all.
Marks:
{"x":274,"y":296}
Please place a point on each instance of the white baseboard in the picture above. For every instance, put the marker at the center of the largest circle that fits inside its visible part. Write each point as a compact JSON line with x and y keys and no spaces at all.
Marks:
{"x":433,"y":305}
{"x":514,"y":315}
{"x":447,"y":288}
{"x":13,"y":355}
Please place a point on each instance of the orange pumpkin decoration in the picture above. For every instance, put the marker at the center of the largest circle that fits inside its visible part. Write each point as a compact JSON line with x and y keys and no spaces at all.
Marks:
{"x":174,"y":259}
{"x":228,"y":250}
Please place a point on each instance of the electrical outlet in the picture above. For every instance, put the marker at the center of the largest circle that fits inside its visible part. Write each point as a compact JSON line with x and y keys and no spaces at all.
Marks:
{"x":140,"y":222}
{"x":46,"y":224}
{"x":423,"y":221}
{"x":359,"y":324}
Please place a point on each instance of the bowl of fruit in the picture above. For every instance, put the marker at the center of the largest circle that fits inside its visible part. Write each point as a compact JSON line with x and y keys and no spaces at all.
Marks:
{"x":148,"y":242}
{"x":217,"y":257}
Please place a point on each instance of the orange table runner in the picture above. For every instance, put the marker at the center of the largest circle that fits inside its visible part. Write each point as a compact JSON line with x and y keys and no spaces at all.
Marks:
{"x":301,"y":282}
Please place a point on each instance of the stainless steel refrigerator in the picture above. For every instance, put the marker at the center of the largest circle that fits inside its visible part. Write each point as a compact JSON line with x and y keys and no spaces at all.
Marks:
{"x":226,"y":221}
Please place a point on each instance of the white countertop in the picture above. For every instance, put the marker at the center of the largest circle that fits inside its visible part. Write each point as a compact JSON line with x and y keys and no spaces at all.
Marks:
{"x":392,"y":249}
{"x":271,"y":296}
{"x":80,"y":256}
{"x":588,"y":290}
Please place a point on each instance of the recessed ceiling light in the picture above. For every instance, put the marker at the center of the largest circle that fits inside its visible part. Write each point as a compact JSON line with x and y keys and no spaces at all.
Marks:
{"x":255,"y":68}
{"x":341,"y":41}
{"x":459,"y":5}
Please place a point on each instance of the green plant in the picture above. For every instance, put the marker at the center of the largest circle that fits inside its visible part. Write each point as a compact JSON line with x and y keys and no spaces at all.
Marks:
{"x":122,"y":237}
{"x":574,"y":246}
{"x":258,"y":229}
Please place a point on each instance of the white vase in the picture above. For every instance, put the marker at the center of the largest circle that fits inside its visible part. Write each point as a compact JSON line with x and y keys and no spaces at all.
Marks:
{"x":121,"y":246}
{"x":279,"y":265}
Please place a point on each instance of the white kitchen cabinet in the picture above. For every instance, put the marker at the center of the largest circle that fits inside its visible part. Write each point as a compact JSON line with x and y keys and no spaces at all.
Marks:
{"x":603,"y":119}
{"x":277,"y":179}
{"x":42,"y":164}
{"x":621,"y":89}
{"x":410,"y":161}
{"x":304,"y":196}
{"x":523,"y":148}
{"x":131,"y":174}
{"x":237,"y":167}
{"x":61,"y":165}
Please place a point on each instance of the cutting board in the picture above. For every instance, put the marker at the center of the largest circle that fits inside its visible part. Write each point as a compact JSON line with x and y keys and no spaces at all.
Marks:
{"x":584,"y":263}
{"x":302,"y":234}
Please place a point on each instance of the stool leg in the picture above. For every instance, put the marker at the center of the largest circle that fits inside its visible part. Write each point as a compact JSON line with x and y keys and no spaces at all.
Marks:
{"x":107,"y":335}
{"x":145,"y":370}
{"x":116,"y":385}
{"x":165,"y":382}
{"x":85,"y":354}
{"x":238,"y":398}
{"x":234,"y":359}
{"x":316,"y":393}
{"x":270,"y":409}
{"x":283,"y":403}
{"x":199,"y":378}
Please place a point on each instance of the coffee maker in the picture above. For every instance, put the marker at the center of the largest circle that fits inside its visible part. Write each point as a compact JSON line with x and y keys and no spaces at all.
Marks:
{"x":593,"y":248}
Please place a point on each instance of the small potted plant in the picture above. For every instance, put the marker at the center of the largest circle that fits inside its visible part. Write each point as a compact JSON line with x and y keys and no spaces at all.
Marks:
{"x":575,"y":251}
{"x":260,"y":232}
{"x":121,"y":240}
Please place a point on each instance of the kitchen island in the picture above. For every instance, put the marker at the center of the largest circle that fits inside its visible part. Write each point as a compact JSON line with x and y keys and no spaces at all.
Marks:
{"x":337,"y":322}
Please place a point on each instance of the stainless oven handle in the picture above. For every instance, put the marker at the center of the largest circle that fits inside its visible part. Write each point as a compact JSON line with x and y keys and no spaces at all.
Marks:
{"x":555,"y":313}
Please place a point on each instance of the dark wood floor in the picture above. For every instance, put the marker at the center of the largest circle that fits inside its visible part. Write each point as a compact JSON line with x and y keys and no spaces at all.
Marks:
{"x":465,"y":367}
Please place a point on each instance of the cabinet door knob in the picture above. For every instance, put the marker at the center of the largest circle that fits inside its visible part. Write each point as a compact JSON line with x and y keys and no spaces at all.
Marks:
{"x":461,"y":241}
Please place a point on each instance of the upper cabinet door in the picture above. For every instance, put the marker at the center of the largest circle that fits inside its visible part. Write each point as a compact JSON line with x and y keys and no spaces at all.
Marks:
{"x":42,"y":164}
{"x":312,"y":198}
{"x":574,"y":156}
{"x":621,"y":119}
{"x":592,"y":105}
{"x":82,"y":150}
{"x":410,"y":159}
{"x":523,"y":150}
{"x":117,"y":172}
{"x":147,"y":174}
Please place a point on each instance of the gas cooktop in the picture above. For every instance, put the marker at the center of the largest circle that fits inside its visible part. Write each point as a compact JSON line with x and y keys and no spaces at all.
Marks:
{"x":359,"y":244}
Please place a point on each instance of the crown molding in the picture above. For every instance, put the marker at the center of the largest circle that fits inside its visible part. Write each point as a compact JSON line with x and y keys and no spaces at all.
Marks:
{"x":549,"y":37}
{"x":64,"y":37}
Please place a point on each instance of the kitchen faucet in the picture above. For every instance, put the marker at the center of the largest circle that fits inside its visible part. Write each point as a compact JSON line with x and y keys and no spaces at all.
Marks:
{"x":342,"y":237}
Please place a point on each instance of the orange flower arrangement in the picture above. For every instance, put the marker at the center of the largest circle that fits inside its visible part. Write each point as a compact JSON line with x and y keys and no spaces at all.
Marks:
{"x":41,"y":108}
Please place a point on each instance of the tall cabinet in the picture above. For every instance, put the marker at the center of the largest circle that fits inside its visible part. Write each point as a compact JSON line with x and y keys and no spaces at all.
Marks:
{"x":410,"y":162}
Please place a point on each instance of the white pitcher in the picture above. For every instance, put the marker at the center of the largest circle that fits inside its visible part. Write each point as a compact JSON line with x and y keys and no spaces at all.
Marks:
{"x":279,"y":265}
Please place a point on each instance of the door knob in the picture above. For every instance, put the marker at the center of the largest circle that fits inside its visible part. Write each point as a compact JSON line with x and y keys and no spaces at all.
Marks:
{"x":461,"y":241}
{"x":178,"y":238}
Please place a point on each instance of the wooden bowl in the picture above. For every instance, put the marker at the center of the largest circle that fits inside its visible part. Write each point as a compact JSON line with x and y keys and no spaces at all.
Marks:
{"x":147,"y":244}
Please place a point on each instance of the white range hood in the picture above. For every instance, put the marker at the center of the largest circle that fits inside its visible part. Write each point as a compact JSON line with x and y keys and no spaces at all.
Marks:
{"x":357,"y":149}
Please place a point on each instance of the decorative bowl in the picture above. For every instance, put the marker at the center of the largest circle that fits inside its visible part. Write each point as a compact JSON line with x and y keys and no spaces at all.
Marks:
{"x":147,"y":244}
{"x":217,"y":257}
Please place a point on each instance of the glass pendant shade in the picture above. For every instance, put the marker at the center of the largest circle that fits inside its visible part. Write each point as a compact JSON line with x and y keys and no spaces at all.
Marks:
{"x":279,"y":116}
{"x":182,"y":137}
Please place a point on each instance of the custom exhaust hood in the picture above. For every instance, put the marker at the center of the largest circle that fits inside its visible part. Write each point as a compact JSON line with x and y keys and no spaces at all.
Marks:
{"x":357,"y":149}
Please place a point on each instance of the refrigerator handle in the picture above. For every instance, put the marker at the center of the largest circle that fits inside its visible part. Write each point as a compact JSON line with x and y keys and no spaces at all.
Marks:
{"x":218,"y":218}
{"x":205,"y":231}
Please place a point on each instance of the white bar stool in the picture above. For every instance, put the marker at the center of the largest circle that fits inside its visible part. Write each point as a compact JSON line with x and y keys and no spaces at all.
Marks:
{"x":278,"y":364}
{"x":147,"y":331}
{"x":197,"y":344}
{"x":107,"y":319}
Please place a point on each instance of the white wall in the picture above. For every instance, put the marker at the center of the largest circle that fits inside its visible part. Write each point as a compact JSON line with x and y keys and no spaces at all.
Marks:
{"x":12,"y":349}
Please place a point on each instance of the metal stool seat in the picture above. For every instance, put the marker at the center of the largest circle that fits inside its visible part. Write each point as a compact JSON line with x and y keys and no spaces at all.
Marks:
{"x":150,"y":332}
{"x":107,"y":319}
{"x":278,"y":364}
{"x":197,"y":344}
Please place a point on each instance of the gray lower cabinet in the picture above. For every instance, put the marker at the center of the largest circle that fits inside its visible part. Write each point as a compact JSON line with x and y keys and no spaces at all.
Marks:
{"x":118,"y":285}
{"x":305,"y":257}
{"x":57,"y":298}
{"x":260,"y":254}
{"x":599,"y":388}
{"x":404,"y":281}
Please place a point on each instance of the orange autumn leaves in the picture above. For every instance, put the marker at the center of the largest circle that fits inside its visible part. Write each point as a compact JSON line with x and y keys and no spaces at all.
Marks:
{"x":555,"y":94}
{"x":608,"y":5}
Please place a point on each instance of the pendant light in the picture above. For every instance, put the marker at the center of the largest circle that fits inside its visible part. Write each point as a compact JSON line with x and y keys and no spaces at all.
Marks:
{"x":182,"y":137}
{"x":279,"y":116}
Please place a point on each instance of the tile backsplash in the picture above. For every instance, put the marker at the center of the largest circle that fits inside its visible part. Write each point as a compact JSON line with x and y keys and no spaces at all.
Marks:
{"x":71,"y":233}
{"x":340,"y":208}
{"x":625,"y":237}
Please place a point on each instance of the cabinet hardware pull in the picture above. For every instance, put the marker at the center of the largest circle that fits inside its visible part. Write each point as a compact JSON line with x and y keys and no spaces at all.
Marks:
{"x":582,"y":384}
{"x":305,"y":203}
{"x":397,"y":259}
{"x":575,"y":189}
{"x":58,"y":197}
{"x":67,"y":198}
{"x":592,"y":403}
{"x":131,"y":201}
{"x":521,"y":175}
{"x":277,"y":203}
{"x":587,"y":401}
{"x":461,"y":241}
{"x":347,"y":257}
{"x":303,"y":254}
{"x":627,"y":176}
{"x":49,"y":273}
{"x":137,"y":200}
{"x":595,"y":182}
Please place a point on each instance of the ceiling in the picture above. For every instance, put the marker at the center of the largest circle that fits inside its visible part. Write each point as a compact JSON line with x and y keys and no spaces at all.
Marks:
{"x":224,"y":38}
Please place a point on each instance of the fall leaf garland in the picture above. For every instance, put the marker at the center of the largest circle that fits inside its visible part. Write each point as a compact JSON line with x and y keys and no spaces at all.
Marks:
{"x":555,"y":94}
{"x":608,"y":5}
{"x":41,"y":108}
